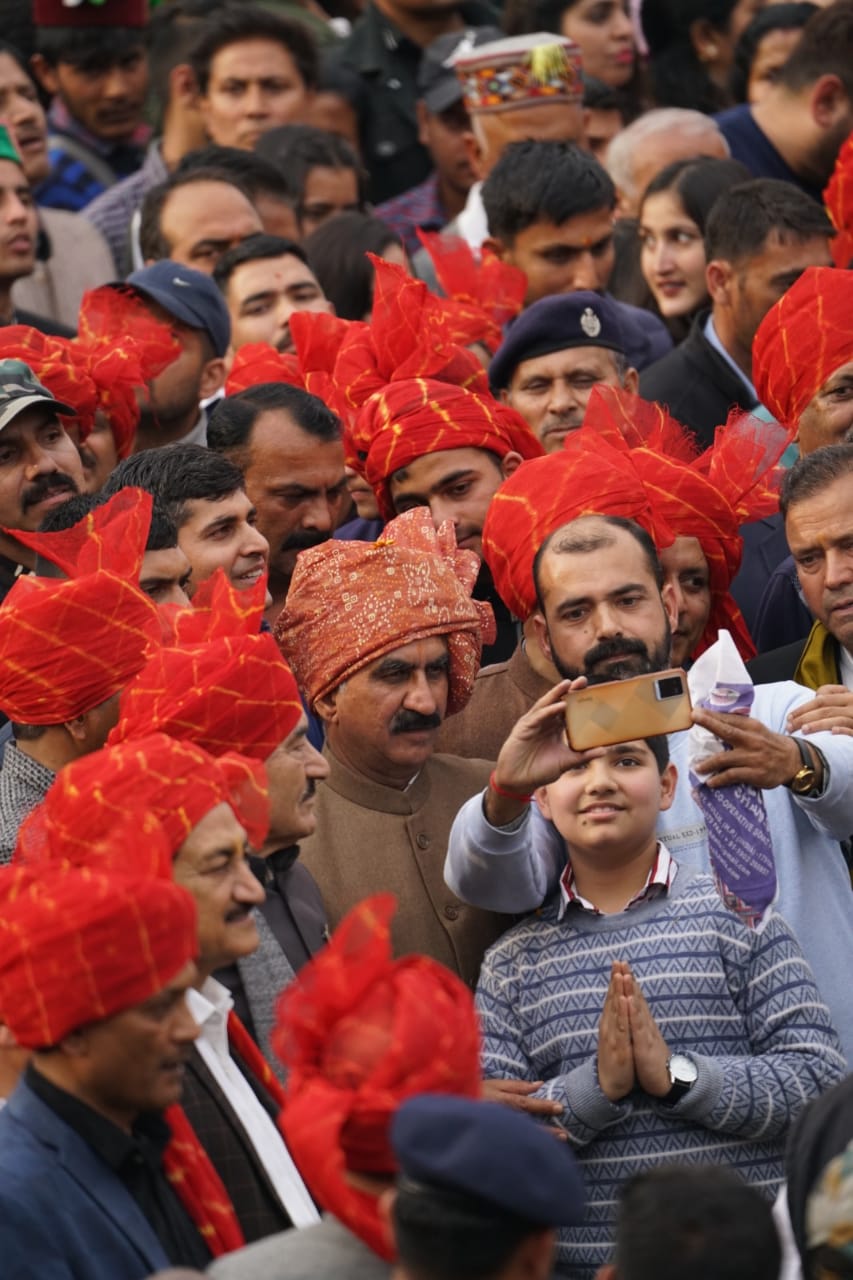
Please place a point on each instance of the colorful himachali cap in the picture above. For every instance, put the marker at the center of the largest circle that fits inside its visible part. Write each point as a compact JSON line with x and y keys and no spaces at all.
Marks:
{"x":437,"y":81}
{"x":68,"y":645}
{"x":521,"y":71}
{"x":350,"y":603}
{"x":802,"y":340}
{"x":220,"y":683}
{"x":79,"y":945}
{"x":359,"y":1032}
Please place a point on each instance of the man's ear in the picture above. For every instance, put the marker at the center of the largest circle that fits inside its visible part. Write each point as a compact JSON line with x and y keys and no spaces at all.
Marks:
{"x":473,"y":153}
{"x":540,"y":630}
{"x":510,"y":462}
{"x":828,"y":101}
{"x":667,"y":595}
{"x":212,"y":377}
{"x":45,"y":74}
{"x":718,"y":275}
{"x":498,"y":248}
{"x":326,"y":707}
{"x":76,"y":728}
{"x":631,"y":381}
{"x":183,"y":88}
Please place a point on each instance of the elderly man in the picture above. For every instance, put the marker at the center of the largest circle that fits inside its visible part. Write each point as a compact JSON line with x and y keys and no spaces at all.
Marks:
{"x":552,"y":357}
{"x":62,"y":697}
{"x":385,"y":641}
{"x":602,"y":614}
{"x":210,"y":810}
{"x":650,"y":143}
{"x":93,"y":978}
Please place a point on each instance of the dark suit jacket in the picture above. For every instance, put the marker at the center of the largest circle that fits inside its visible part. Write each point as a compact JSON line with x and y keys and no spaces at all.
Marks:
{"x":219,"y":1131}
{"x":696,"y":384}
{"x":64,"y":1215}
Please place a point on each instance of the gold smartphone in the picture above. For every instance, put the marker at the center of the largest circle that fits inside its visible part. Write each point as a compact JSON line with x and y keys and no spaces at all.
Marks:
{"x":622,"y":710}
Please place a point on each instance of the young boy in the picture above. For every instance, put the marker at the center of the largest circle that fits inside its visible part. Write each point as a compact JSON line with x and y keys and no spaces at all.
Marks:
{"x":664,"y":1027}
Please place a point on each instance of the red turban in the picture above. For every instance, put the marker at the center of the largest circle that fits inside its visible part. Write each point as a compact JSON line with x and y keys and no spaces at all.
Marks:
{"x":175,"y":782}
{"x":51,"y":360}
{"x":588,"y":476}
{"x":78,"y":946}
{"x":310,"y":367}
{"x":223,"y":685}
{"x":68,"y":646}
{"x":360,"y":1033}
{"x":485,"y":294}
{"x":838,"y":198}
{"x":802,"y":340}
{"x":351,"y":602}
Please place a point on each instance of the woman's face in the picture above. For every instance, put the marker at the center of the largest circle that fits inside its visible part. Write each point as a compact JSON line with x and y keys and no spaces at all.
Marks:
{"x":769,"y":58}
{"x":672,"y":255}
{"x":603,"y":30}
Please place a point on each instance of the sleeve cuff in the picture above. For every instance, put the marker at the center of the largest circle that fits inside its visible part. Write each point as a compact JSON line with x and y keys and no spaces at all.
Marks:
{"x":700,"y":1102}
{"x":587,"y":1101}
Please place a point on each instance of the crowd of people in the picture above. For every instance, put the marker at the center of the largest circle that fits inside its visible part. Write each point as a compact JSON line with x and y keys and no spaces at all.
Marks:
{"x":377,"y":379}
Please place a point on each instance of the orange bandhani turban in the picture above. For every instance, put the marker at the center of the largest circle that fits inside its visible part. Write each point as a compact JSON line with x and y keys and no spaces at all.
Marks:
{"x":410,"y":419}
{"x":78,"y":946}
{"x":838,"y":198}
{"x":486,"y":293}
{"x":588,"y":476}
{"x":317,"y":339}
{"x":223,"y":686}
{"x":67,"y":646}
{"x":175,"y":782}
{"x":802,"y":340}
{"x":351,"y":602}
{"x":52,"y":360}
{"x":360,"y":1033}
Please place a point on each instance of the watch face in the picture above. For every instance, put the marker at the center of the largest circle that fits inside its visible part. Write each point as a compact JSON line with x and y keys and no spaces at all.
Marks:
{"x":682,"y":1070}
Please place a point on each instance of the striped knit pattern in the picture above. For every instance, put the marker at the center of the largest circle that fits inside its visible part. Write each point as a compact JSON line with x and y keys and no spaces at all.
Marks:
{"x":743,"y":1004}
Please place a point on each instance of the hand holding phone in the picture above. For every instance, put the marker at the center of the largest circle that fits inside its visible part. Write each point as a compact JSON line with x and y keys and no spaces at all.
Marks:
{"x":622,"y":710}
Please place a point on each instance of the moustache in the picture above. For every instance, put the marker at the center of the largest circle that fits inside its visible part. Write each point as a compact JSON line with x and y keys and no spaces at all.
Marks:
{"x":45,"y":486}
{"x":413,"y":722}
{"x":608,"y":649}
{"x":304,"y":539}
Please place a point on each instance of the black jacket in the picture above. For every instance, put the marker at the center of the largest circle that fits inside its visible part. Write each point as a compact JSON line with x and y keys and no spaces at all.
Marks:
{"x":696,"y":384}
{"x":776,"y":664}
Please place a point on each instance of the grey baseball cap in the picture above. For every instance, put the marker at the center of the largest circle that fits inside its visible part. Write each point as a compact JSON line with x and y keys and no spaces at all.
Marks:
{"x":438,"y":83}
{"x":20,"y":389}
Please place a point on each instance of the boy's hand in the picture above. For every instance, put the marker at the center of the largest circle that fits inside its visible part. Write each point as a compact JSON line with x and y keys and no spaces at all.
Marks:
{"x":651,"y":1052}
{"x":534,"y":754}
{"x":615,"y":1058}
{"x":515,"y":1094}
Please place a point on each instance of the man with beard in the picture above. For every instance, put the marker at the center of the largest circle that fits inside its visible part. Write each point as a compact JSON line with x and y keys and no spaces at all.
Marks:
{"x":288,"y":446}
{"x":264,"y":281}
{"x":192,"y":306}
{"x":385,"y":640}
{"x":598,"y":582}
{"x":39,"y":465}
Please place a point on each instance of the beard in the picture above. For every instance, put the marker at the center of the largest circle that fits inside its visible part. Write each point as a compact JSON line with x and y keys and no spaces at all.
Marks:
{"x":618,"y":659}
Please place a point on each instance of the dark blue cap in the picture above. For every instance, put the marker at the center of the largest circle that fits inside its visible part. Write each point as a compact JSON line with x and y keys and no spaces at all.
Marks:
{"x":562,"y":320}
{"x":189,"y":296}
{"x":498,"y":1156}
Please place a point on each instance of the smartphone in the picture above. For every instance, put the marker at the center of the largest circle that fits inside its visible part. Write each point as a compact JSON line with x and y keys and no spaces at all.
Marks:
{"x":621,"y":710}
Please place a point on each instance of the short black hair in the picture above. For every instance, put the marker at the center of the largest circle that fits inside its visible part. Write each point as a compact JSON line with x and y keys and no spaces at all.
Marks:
{"x":563,"y":541}
{"x":442,"y":1235}
{"x":296,"y":149}
{"x":659,"y":747}
{"x":777,"y":17}
{"x":598,"y":96}
{"x":698,"y":183}
{"x":152,"y":243}
{"x":177,"y":475}
{"x":235,"y":22}
{"x":814,"y":473}
{"x":245,"y":169}
{"x":89,"y":48}
{"x":229,"y":430}
{"x":703,"y":1223}
{"x":743,"y":217}
{"x":337,"y":254}
{"x":253,"y":249}
{"x":825,"y":48}
{"x":543,"y":182}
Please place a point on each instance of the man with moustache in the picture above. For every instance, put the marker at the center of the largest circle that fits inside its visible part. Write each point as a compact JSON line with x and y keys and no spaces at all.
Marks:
{"x":288,"y":445}
{"x":602,"y":616}
{"x":385,"y":640}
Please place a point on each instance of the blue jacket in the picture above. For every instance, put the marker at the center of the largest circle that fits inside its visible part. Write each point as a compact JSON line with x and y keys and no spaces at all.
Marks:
{"x":64,"y":1215}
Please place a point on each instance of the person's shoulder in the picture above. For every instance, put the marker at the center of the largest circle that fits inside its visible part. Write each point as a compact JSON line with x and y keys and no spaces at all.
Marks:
{"x":459,"y":771}
{"x":776,"y":665}
{"x":326,"y":1249}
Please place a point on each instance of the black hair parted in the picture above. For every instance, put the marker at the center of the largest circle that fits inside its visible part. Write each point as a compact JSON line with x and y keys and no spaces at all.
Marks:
{"x":233,"y":22}
{"x":543,"y":182}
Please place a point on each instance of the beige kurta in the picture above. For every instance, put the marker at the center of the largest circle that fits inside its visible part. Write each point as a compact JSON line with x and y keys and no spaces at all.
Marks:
{"x":372,"y":839}
{"x":502,"y":694}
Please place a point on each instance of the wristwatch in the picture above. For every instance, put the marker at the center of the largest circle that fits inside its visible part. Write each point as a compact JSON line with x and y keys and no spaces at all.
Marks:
{"x":683,"y":1074}
{"x":804,"y":781}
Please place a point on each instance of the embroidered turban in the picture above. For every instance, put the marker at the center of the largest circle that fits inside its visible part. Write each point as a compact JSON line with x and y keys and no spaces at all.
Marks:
{"x":68,"y":645}
{"x":588,"y":476}
{"x":350,"y":603}
{"x":359,"y":1033}
{"x":222,"y":684}
{"x":78,"y":945}
{"x":838,"y":198}
{"x":802,"y":340}
{"x":177,"y":783}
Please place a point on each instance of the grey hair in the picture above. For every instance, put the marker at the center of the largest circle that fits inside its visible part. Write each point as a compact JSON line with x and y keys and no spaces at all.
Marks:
{"x":619,"y":161}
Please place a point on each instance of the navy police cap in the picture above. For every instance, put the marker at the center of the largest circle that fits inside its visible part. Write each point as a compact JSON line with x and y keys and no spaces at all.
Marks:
{"x":582,"y":319}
